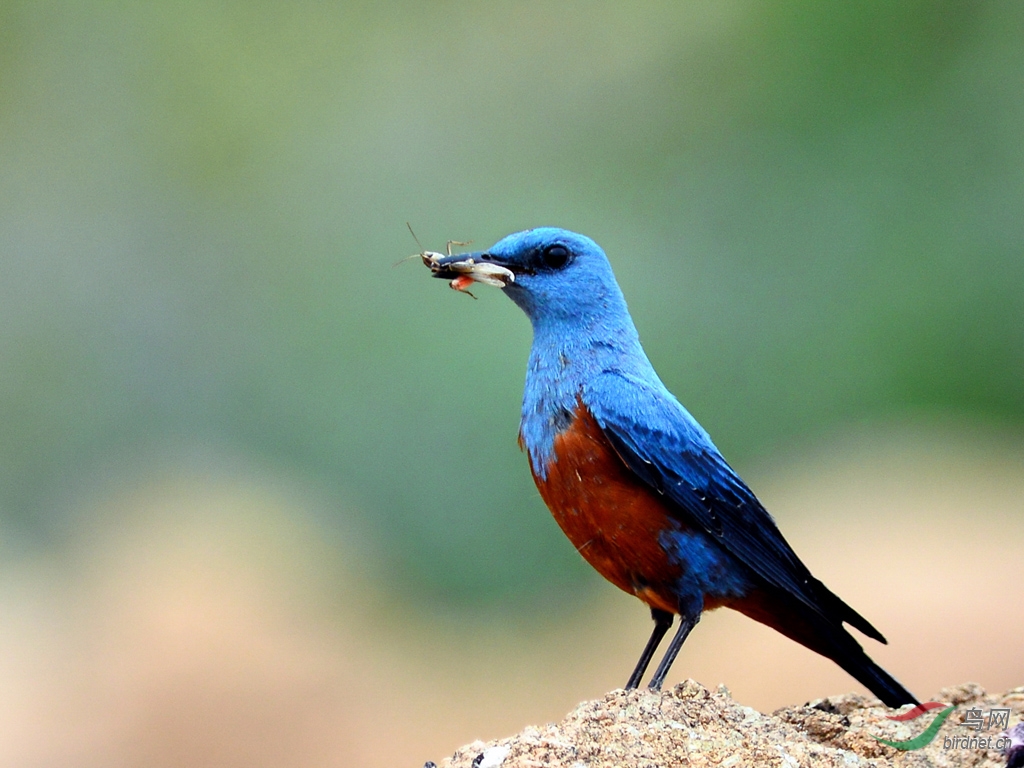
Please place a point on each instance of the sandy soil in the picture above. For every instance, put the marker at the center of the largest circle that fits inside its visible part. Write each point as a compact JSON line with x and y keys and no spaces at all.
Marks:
{"x":692,"y":726}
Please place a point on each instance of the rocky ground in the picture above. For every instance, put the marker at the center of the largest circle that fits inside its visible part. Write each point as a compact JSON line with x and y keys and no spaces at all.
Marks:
{"x":692,"y":726}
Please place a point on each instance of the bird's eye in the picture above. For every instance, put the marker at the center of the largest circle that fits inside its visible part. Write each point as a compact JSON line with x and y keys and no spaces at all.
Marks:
{"x":555,"y":256}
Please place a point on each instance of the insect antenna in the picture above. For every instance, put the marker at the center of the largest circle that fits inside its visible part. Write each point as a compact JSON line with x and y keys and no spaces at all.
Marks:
{"x":415,"y":255}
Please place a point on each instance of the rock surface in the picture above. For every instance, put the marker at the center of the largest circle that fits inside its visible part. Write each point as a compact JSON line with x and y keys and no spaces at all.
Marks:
{"x":691,"y":726}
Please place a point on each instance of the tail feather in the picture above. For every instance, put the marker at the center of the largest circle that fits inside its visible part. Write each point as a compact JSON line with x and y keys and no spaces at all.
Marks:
{"x":877,"y":680}
{"x":847,"y":614}
{"x":826,"y":636}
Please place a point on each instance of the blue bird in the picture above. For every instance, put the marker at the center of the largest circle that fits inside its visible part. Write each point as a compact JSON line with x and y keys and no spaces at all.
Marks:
{"x":631,"y":477}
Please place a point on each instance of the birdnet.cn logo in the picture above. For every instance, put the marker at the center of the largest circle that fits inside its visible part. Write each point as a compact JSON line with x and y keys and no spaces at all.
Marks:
{"x":974,"y":719}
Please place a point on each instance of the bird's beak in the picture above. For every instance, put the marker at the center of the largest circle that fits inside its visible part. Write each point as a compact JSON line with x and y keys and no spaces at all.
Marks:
{"x":463,"y":269}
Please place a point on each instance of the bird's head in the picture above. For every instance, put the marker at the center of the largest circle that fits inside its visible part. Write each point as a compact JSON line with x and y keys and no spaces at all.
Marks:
{"x":557,"y":276}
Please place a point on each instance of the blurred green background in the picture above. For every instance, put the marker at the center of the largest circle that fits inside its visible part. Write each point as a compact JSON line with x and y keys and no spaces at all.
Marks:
{"x":815,"y":210}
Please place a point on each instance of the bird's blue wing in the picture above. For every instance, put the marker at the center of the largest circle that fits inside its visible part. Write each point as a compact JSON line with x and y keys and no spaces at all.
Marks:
{"x":664,"y":445}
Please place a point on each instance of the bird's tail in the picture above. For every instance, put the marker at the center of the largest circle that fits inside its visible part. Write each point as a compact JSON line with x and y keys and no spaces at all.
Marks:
{"x":874,"y":678}
{"x":826,"y":636}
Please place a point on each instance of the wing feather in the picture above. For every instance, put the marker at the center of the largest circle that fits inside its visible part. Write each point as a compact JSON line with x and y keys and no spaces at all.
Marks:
{"x":664,"y":445}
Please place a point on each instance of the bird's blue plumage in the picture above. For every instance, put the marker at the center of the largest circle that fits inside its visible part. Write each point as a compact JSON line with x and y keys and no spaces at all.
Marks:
{"x":587,"y":364}
{"x":662,"y":443}
{"x":586,"y":349}
{"x":709,"y":572}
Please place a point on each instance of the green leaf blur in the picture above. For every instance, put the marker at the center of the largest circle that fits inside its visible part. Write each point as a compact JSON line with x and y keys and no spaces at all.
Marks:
{"x":815,"y":212}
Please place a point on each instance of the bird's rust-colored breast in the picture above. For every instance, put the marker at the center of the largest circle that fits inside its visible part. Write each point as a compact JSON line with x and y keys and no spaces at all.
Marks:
{"x":612,"y":517}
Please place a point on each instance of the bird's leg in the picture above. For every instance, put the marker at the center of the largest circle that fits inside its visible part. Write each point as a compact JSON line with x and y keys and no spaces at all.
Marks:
{"x":686,"y":623}
{"x":662,"y":621}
